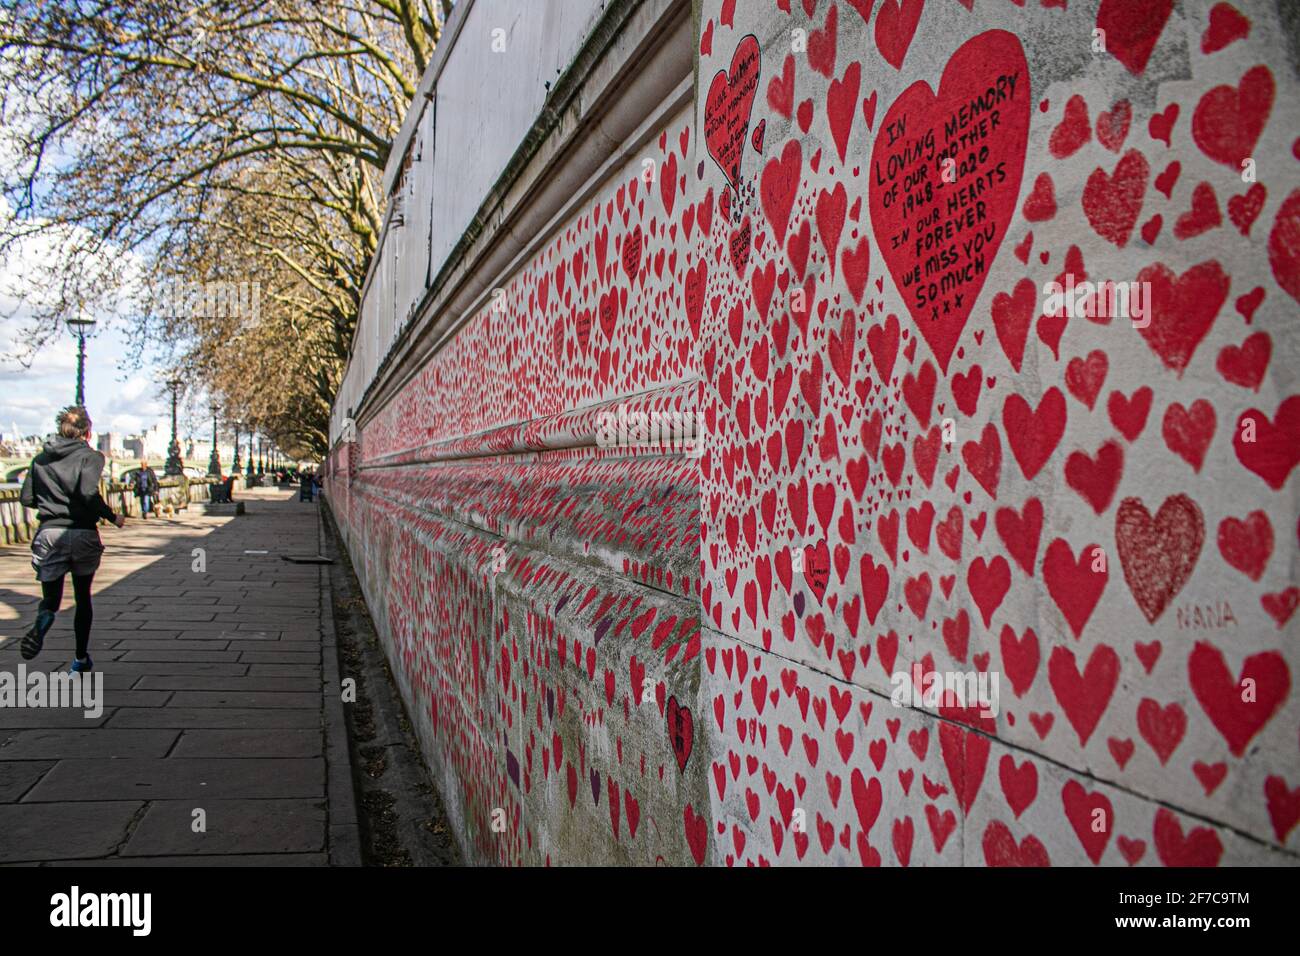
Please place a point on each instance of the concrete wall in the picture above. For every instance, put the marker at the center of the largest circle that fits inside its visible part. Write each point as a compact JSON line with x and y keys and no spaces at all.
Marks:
{"x":491,"y":90}
{"x":623,"y":655}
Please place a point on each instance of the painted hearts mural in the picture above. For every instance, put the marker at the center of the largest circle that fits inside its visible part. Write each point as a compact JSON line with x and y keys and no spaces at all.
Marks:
{"x":945,"y":178}
{"x":914,"y":469}
{"x":949,"y":479}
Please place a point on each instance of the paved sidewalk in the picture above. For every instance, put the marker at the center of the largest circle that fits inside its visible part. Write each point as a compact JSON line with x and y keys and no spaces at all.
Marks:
{"x":212,"y":701}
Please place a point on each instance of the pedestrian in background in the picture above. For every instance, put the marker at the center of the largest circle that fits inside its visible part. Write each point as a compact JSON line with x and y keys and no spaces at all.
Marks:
{"x":146,"y":489}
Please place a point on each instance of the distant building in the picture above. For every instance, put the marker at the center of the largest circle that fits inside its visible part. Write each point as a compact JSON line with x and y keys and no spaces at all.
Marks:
{"x":134,"y":446}
{"x":156,"y":439}
{"x":108,"y":444}
{"x":21,"y":446}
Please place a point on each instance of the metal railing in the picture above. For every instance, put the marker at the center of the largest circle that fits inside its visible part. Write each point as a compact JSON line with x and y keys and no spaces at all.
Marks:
{"x":19,"y":524}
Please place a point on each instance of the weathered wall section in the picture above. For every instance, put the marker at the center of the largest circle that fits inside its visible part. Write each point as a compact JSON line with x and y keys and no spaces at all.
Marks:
{"x":915,"y":465}
{"x":539,"y":591}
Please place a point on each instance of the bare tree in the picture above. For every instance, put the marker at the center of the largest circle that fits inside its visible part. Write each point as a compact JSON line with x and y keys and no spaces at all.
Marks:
{"x":161,"y":143}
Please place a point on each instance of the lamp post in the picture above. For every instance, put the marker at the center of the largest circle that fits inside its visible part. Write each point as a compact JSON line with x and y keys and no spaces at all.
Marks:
{"x":234,"y":465}
{"x":81,"y":327}
{"x":214,"y":462}
{"x":261,"y":449}
{"x":249,"y":470}
{"x":174,"y":464}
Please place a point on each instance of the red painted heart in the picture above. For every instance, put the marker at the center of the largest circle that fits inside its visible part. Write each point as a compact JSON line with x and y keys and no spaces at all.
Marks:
{"x":972,"y":214}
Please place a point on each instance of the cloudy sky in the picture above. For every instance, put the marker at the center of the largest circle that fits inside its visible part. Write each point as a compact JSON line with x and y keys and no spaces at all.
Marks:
{"x":122,"y":398}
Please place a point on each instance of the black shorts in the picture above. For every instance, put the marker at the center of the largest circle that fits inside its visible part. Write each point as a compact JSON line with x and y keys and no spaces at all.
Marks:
{"x":57,"y":551}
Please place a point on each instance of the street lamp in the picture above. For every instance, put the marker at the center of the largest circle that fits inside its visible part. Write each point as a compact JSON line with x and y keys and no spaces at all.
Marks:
{"x":249,"y":470}
{"x":81,"y":327}
{"x":261,"y":449}
{"x":174,"y":464}
{"x":214,"y":462}
{"x":234,"y":466}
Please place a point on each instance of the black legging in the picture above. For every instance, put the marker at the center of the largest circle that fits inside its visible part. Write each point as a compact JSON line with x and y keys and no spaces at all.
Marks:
{"x":52,"y":596}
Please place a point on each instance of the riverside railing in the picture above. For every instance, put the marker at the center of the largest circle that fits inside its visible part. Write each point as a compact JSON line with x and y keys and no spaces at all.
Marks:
{"x":18,"y":524}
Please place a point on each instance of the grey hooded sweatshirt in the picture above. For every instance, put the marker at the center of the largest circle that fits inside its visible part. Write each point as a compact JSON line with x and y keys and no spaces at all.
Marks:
{"x":62,"y":485}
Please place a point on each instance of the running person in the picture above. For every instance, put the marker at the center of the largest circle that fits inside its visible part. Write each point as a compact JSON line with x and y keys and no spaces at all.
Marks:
{"x":62,"y":486}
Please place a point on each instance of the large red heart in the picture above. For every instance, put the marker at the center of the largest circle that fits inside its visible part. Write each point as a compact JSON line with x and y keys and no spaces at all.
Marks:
{"x":778,"y":185}
{"x":895,"y":27}
{"x":697,"y":833}
{"x":1158,"y":554}
{"x":1001,"y":849}
{"x":1271,"y":449}
{"x":941,"y":268}
{"x":1200,"y":847}
{"x":966,"y":755}
{"x":817,"y":568}
{"x":1075,"y":586}
{"x":1113,"y":201}
{"x":1084,"y":697}
{"x":1238,"y":716}
{"x":1081,"y":809}
{"x":1284,"y":246}
{"x":1229,"y":119}
{"x":1132,"y":29}
{"x":1247,"y":544}
{"x":1034,"y":433}
{"x":1181,"y":309}
{"x":681,"y":731}
{"x":727,"y":108}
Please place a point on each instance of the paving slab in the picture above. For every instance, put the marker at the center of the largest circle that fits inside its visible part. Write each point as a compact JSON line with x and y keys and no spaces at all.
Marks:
{"x":47,"y":832}
{"x":184,"y":655}
{"x":171,"y":827}
{"x":187,"y":717}
{"x":159,"y":643}
{"x":135,"y":698}
{"x":173,"y":615}
{"x":175,"y":668}
{"x":209,"y":626}
{"x":95,"y":742}
{"x":249,"y":698}
{"x":19,"y":777}
{"x":275,"y":646}
{"x":206,"y":682}
{"x":280,"y":657}
{"x":283,"y":670}
{"x":11,"y":719}
{"x":179,"y":777}
{"x":249,"y":743}
{"x":213,"y":699}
